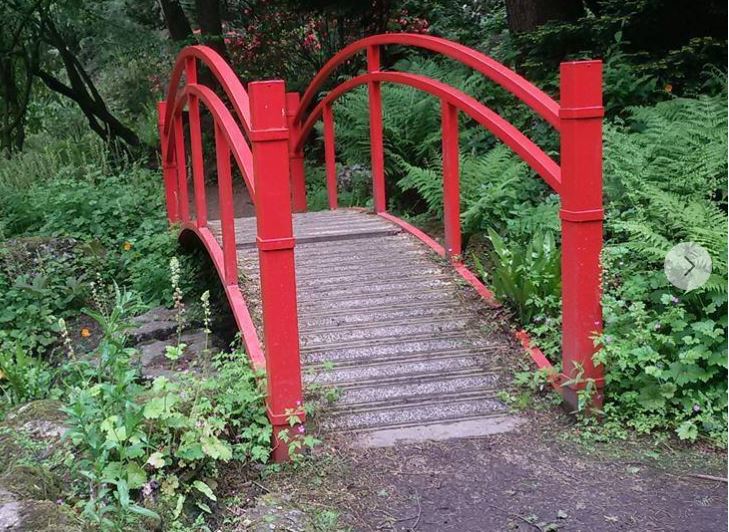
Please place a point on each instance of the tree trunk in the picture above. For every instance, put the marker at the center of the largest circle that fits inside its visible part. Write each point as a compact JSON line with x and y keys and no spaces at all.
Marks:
{"x":175,"y":20}
{"x":528,"y":15}
{"x":82,"y":90}
{"x":211,"y":25}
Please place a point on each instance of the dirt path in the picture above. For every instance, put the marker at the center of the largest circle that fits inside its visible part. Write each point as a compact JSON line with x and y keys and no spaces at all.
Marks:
{"x":530,"y":479}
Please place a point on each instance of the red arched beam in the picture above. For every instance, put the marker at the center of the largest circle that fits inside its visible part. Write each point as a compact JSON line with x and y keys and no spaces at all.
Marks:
{"x":235,"y":298}
{"x":545,"y":106}
{"x":224,"y":123}
{"x":223,"y":73}
{"x":532,"y":154}
{"x":222,"y":117}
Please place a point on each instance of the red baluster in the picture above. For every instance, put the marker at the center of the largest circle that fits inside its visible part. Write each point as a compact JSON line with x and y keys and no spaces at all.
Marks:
{"x":225,"y":194}
{"x":329,"y":156}
{"x":169,"y":169}
{"x":196,"y":151}
{"x":451,"y":181}
{"x":580,"y":115}
{"x":298,"y":173}
{"x":376,"y":147}
{"x":183,"y":199}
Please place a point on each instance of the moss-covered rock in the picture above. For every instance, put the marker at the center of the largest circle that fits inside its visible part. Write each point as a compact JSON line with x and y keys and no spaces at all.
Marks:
{"x":42,"y":420}
{"x":37,"y":516}
{"x":29,"y":482}
{"x":12,"y":448}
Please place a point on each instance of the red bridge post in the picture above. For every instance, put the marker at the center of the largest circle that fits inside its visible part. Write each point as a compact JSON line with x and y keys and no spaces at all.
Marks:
{"x":169,"y":170}
{"x":581,"y":212}
{"x":330,"y":156}
{"x":269,"y":137}
{"x":298,"y":176}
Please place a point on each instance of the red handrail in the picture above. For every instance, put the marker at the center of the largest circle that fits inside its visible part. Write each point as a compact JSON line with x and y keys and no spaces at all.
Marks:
{"x":545,"y":106}
{"x":233,"y":135}
{"x":223,"y":74}
{"x":502,"y":129}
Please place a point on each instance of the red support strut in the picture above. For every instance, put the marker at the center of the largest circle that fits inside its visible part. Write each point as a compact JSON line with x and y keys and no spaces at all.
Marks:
{"x":169,"y":170}
{"x":580,"y":115}
{"x":196,"y":152}
{"x":451,"y":181}
{"x":330,"y":156}
{"x":377,"y":153}
{"x":269,"y":136}
{"x":183,"y":199}
{"x":227,"y":216}
{"x":298,"y":174}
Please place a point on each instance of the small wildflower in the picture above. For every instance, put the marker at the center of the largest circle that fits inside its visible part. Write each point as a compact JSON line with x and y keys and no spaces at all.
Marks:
{"x":696,"y":409}
{"x":674,"y":300}
{"x":96,"y":294}
{"x":126,"y":246}
{"x":85,"y":332}
{"x":301,"y":429}
{"x":205,"y":300}
{"x":177,"y":294}
{"x":66,"y":338}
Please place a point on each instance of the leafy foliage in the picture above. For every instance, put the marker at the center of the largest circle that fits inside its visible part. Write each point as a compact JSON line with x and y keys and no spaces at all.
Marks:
{"x":666,"y":352}
{"x":170,"y":435}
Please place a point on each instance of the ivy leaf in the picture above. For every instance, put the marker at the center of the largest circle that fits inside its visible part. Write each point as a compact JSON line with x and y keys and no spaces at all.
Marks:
{"x":203,"y":488}
{"x":216,"y":449}
{"x":687,"y":431}
{"x":136,"y":476}
{"x":156,"y":460}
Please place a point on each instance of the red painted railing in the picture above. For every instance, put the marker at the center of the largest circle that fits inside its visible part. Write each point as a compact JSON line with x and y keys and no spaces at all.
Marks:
{"x":264,"y":165}
{"x":272,"y":165}
{"x":577,"y":180}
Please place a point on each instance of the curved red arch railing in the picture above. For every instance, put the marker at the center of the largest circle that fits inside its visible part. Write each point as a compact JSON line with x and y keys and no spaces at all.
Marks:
{"x":532,"y":154}
{"x":545,"y":106}
{"x":237,"y":142}
{"x":223,"y":74}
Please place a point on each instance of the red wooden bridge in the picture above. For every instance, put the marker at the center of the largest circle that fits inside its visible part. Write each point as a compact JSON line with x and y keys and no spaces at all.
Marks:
{"x":361,"y":291}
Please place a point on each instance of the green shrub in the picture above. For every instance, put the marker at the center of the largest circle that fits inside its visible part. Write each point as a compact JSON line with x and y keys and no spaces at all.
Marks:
{"x":171,"y":435}
{"x":665,"y":351}
{"x":23,"y":377}
{"x":527,"y":277}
